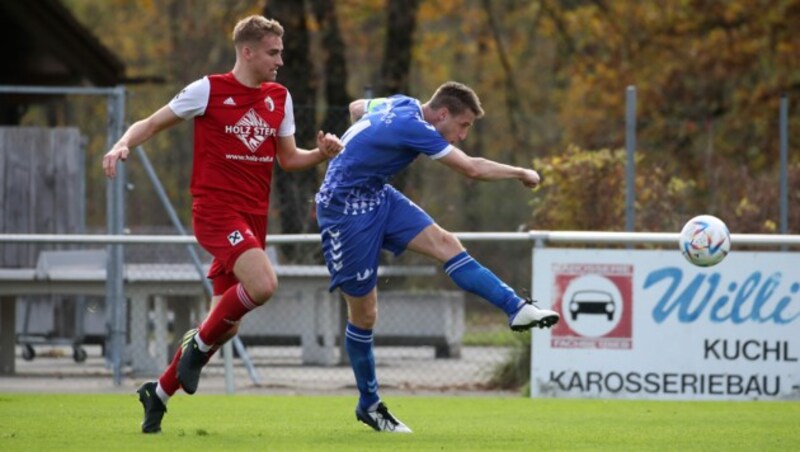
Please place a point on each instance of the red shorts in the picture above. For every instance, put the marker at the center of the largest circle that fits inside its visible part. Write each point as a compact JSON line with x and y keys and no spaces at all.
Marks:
{"x":226,"y":234}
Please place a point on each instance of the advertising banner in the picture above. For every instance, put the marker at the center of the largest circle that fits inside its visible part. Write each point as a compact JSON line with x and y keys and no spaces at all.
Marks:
{"x":646,"y":324}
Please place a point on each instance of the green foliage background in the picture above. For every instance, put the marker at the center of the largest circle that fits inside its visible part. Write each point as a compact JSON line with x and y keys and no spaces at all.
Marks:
{"x":552,"y":76}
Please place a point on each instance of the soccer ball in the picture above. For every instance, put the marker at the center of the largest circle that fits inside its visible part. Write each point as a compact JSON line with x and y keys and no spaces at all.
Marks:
{"x":705,"y":240}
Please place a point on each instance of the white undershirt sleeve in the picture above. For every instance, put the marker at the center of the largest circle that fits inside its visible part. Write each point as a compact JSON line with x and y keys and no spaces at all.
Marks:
{"x":192,"y":100}
{"x":442,"y":153}
{"x":287,"y":127}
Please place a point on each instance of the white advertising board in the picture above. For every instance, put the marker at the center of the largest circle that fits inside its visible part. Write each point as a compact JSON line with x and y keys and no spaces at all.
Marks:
{"x":646,"y":324}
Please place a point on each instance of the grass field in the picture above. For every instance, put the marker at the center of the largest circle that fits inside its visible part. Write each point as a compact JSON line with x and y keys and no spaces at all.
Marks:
{"x":208,"y":422}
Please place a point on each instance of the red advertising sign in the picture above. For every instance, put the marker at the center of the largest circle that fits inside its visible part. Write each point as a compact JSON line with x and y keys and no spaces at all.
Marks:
{"x":595,"y":303}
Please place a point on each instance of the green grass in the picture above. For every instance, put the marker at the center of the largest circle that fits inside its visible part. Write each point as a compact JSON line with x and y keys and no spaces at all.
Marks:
{"x":501,"y":338}
{"x":207,"y":422}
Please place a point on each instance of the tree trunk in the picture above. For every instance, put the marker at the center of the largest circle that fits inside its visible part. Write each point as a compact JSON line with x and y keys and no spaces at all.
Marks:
{"x":396,"y":66}
{"x":516,"y":115}
{"x":294,"y":191}
{"x":335,"y":68}
{"x":402,"y":21}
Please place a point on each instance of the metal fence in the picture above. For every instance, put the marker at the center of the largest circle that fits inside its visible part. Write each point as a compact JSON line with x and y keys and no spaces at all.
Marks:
{"x":165,"y":294}
{"x":430,"y":336}
{"x":127,"y":298}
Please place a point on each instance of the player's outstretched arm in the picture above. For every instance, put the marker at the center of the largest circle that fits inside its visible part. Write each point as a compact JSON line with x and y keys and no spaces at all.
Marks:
{"x":488,"y":170}
{"x":137,"y":134}
{"x":292,"y":158}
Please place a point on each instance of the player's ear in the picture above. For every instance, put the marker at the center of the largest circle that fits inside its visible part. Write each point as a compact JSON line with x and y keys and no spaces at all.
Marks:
{"x":246,"y":51}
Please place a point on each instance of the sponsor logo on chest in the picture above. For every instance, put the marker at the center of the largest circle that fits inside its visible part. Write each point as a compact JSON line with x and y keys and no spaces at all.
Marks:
{"x":252,"y":130}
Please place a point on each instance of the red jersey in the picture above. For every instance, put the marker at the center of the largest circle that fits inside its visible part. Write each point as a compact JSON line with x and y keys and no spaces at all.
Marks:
{"x":236,"y":131}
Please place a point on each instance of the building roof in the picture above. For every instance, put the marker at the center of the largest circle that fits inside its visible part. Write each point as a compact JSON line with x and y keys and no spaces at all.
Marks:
{"x":42,"y":43}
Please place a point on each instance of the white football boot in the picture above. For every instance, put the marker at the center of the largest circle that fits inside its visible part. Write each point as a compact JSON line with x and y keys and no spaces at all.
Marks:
{"x":530,"y":316}
{"x":381,"y":420}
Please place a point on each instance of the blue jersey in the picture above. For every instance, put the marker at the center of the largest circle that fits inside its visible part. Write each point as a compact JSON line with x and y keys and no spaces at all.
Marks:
{"x":382,"y":143}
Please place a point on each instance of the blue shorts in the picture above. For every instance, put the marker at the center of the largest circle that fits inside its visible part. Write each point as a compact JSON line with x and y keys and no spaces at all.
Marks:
{"x":352,"y":239}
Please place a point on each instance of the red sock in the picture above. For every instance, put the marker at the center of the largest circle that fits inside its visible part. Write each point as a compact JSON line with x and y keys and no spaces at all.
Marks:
{"x":235,"y":303}
{"x":169,"y":379}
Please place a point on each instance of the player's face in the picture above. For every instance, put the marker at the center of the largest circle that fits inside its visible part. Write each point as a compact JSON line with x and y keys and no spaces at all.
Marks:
{"x":454,"y":129}
{"x":267,"y":57}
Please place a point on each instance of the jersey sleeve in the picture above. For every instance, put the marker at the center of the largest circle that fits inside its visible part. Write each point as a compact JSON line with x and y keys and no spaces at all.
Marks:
{"x":192,"y":100}
{"x":423,"y":137}
{"x":287,"y":127}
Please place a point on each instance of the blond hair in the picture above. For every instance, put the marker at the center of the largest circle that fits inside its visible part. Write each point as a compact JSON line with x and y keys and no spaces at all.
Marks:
{"x":457,"y":98}
{"x":254,"y":28}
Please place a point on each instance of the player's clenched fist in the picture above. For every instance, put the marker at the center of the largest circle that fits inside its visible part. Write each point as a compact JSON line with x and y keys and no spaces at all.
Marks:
{"x":530,"y":178}
{"x":329,"y":144}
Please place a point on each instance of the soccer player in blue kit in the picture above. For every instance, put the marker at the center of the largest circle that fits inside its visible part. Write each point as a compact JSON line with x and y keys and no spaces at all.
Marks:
{"x":359,"y":214}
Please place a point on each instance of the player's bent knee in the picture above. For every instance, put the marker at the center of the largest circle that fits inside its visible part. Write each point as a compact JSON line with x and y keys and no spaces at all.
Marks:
{"x":262,"y":290}
{"x":449,"y":245}
{"x":364,"y":318}
{"x":451,"y":241}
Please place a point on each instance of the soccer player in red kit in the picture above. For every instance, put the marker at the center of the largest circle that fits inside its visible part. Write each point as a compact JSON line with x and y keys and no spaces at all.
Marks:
{"x":243,"y":123}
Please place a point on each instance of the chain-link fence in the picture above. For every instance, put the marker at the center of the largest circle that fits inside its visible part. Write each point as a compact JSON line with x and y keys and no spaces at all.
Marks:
{"x":430,"y":335}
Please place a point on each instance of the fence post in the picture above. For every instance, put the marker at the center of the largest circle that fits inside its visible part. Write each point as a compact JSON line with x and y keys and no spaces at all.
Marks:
{"x":630,"y":146}
{"x":784,"y":158}
{"x":115,"y":221}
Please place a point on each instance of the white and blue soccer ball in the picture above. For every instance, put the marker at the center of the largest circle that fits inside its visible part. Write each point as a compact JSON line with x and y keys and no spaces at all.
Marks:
{"x":705,"y":240}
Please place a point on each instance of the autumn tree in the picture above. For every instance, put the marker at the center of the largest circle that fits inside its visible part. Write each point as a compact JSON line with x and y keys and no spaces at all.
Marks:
{"x":336,"y":119}
{"x":709,"y":76}
{"x":294,"y":191}
{"x":396,"y":64}
{"x":551,"y":74}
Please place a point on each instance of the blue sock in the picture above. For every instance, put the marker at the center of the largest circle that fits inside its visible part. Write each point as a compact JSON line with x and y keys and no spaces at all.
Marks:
{"x":473,"y":277}
{"x":358,"y":343}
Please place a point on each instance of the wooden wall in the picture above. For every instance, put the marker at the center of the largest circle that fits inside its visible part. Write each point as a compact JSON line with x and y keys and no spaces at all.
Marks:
{"x":42,"y":188}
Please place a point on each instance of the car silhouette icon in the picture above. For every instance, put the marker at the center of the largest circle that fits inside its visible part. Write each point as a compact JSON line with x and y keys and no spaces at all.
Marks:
{"x":592,"y":302}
